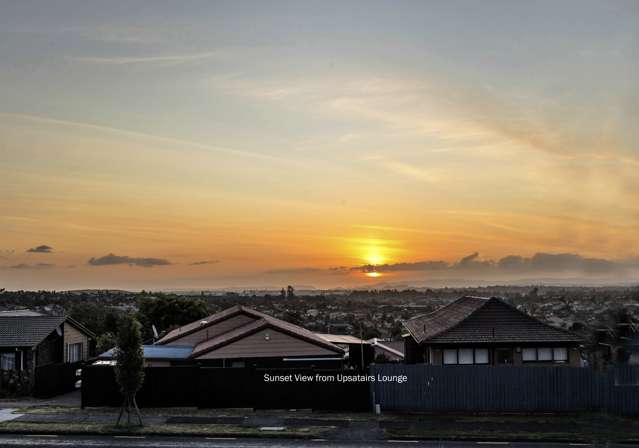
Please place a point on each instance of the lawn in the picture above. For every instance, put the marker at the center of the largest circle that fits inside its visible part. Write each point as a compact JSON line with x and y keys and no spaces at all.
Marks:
{"x":210,"y":430}
{"x":571,"y":428}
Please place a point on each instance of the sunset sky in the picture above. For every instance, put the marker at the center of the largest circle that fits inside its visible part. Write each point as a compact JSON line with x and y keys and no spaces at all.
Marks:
{"x":199,"y":144}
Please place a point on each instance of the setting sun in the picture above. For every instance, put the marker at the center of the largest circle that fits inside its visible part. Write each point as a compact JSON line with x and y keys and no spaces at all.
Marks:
{"x":374,"y":258}
{"x":373,"y":274}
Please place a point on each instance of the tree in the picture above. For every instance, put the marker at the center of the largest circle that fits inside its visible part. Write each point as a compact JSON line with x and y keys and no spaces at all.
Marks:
{"x":608,"y":342}
{"x":105,"y":342}
{"x":169,"y":311}
{"x":290,"y":292}
{"x":129,"y":367}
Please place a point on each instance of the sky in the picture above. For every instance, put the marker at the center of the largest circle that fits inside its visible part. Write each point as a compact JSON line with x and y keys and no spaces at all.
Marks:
{"x":199,"y":144}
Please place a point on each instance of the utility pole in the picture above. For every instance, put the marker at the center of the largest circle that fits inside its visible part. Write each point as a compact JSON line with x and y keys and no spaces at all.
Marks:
{"x":361,"y":345}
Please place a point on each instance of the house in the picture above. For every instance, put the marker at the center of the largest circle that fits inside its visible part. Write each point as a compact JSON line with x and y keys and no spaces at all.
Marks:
{"x":241,"y":337}
{"x":488,"y":331}
{"x":29,"y":339}
{"x":359,"y":353}
{"x":390,"y":351}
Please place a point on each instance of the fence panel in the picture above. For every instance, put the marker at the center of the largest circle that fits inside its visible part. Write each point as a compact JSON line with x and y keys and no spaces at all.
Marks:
{"x":55,"y":379}
{"x":507,"y":389}
{"x":162,"y":387}
{"x":227,"y":387}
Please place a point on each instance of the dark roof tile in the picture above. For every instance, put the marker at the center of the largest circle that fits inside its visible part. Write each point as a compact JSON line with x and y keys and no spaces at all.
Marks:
{"x":27,"y":331}
{"x":483,"y":320}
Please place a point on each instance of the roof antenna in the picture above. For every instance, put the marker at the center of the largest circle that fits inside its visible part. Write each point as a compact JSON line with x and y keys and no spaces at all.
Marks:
{"x":155,"y":332}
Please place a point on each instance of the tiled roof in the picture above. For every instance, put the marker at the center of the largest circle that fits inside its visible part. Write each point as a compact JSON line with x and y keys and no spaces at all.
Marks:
{"x":483,"y":320}
{"x":158,"y":352}
{"x":208,"y":321}
{"x":265,"y":322}
{"x":19,"y":313}
{"x":341,"y":338}
{"x":27,"y":331}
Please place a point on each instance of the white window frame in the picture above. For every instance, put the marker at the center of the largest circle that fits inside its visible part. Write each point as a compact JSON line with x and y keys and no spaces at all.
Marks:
{"x":70,"y":351}
{"x":554,"y":358}
{"x":457,"y":357}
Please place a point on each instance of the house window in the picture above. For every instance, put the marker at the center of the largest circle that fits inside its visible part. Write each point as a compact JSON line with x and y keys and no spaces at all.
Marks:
{"x":466,"y":356}
{"x":7,"y":361}
{"x":74,"y":352}
{"x":481,"y":356}
{"x":529,"y":354}
{"x":450,"y":356}
{"x":544,"y":354}
{"x":560,"y":354}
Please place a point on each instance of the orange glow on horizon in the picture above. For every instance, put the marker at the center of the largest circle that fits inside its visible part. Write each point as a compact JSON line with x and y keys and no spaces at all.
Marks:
{"x":373,"y":274}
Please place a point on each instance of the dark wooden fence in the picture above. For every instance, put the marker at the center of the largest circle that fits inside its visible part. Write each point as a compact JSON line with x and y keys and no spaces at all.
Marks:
{"x":221,"y":388}
{"x":55,"y":379}
{"x":507,"y":389}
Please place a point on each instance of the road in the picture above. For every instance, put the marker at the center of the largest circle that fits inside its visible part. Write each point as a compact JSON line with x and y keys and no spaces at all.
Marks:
{"x":43,"y":441}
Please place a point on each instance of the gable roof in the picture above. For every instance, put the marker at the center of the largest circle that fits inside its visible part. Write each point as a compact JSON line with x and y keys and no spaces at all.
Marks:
{"x":481,"y":320}
{"x":395,"y":348}
{"x":209,"y":321}
{"x":79,"y":326}
{"x":265,"y":322}
{"x":27,"y":331}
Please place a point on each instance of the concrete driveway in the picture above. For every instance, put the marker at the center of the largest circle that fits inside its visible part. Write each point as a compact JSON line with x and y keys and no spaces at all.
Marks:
{"x":72,"y":399}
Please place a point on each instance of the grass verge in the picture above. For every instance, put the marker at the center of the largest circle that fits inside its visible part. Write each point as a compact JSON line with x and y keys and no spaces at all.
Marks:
{"x":16,"y":427}
{"x":576,"y":428}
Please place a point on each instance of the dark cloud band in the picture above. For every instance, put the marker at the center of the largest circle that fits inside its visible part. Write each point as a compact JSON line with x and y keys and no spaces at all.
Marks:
{"x":112,"y":259}
{"x":42,"y":249}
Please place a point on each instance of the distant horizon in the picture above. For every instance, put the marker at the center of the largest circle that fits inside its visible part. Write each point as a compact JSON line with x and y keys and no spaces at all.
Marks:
{"x":435,"y":284}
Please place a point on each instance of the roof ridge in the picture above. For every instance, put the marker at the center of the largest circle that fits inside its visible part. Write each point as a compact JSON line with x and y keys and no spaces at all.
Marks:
{"x":485,"y":300}
{"x":221,"y":315}
{"x":446,"y":306}
{"x":443,"y":309}
{"x":278,"y":324}
{"x":241,"y":330}
{"x":503,"y":302}
{"x":543,"y":322}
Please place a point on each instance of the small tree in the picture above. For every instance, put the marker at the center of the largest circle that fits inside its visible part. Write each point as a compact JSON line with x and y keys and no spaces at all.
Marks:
{"x":106,"y":341}
{"x":129,"y":368}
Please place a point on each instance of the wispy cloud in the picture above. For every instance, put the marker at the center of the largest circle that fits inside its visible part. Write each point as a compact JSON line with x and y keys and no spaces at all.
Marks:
{"x":308,"y":270}
{"x":174,"y":59}
{"x":6,"y":253}
{"x":203,"y":262}
{"x":23,"y":266}
{"x":140,"y":135}
{"x":112,"y":259}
